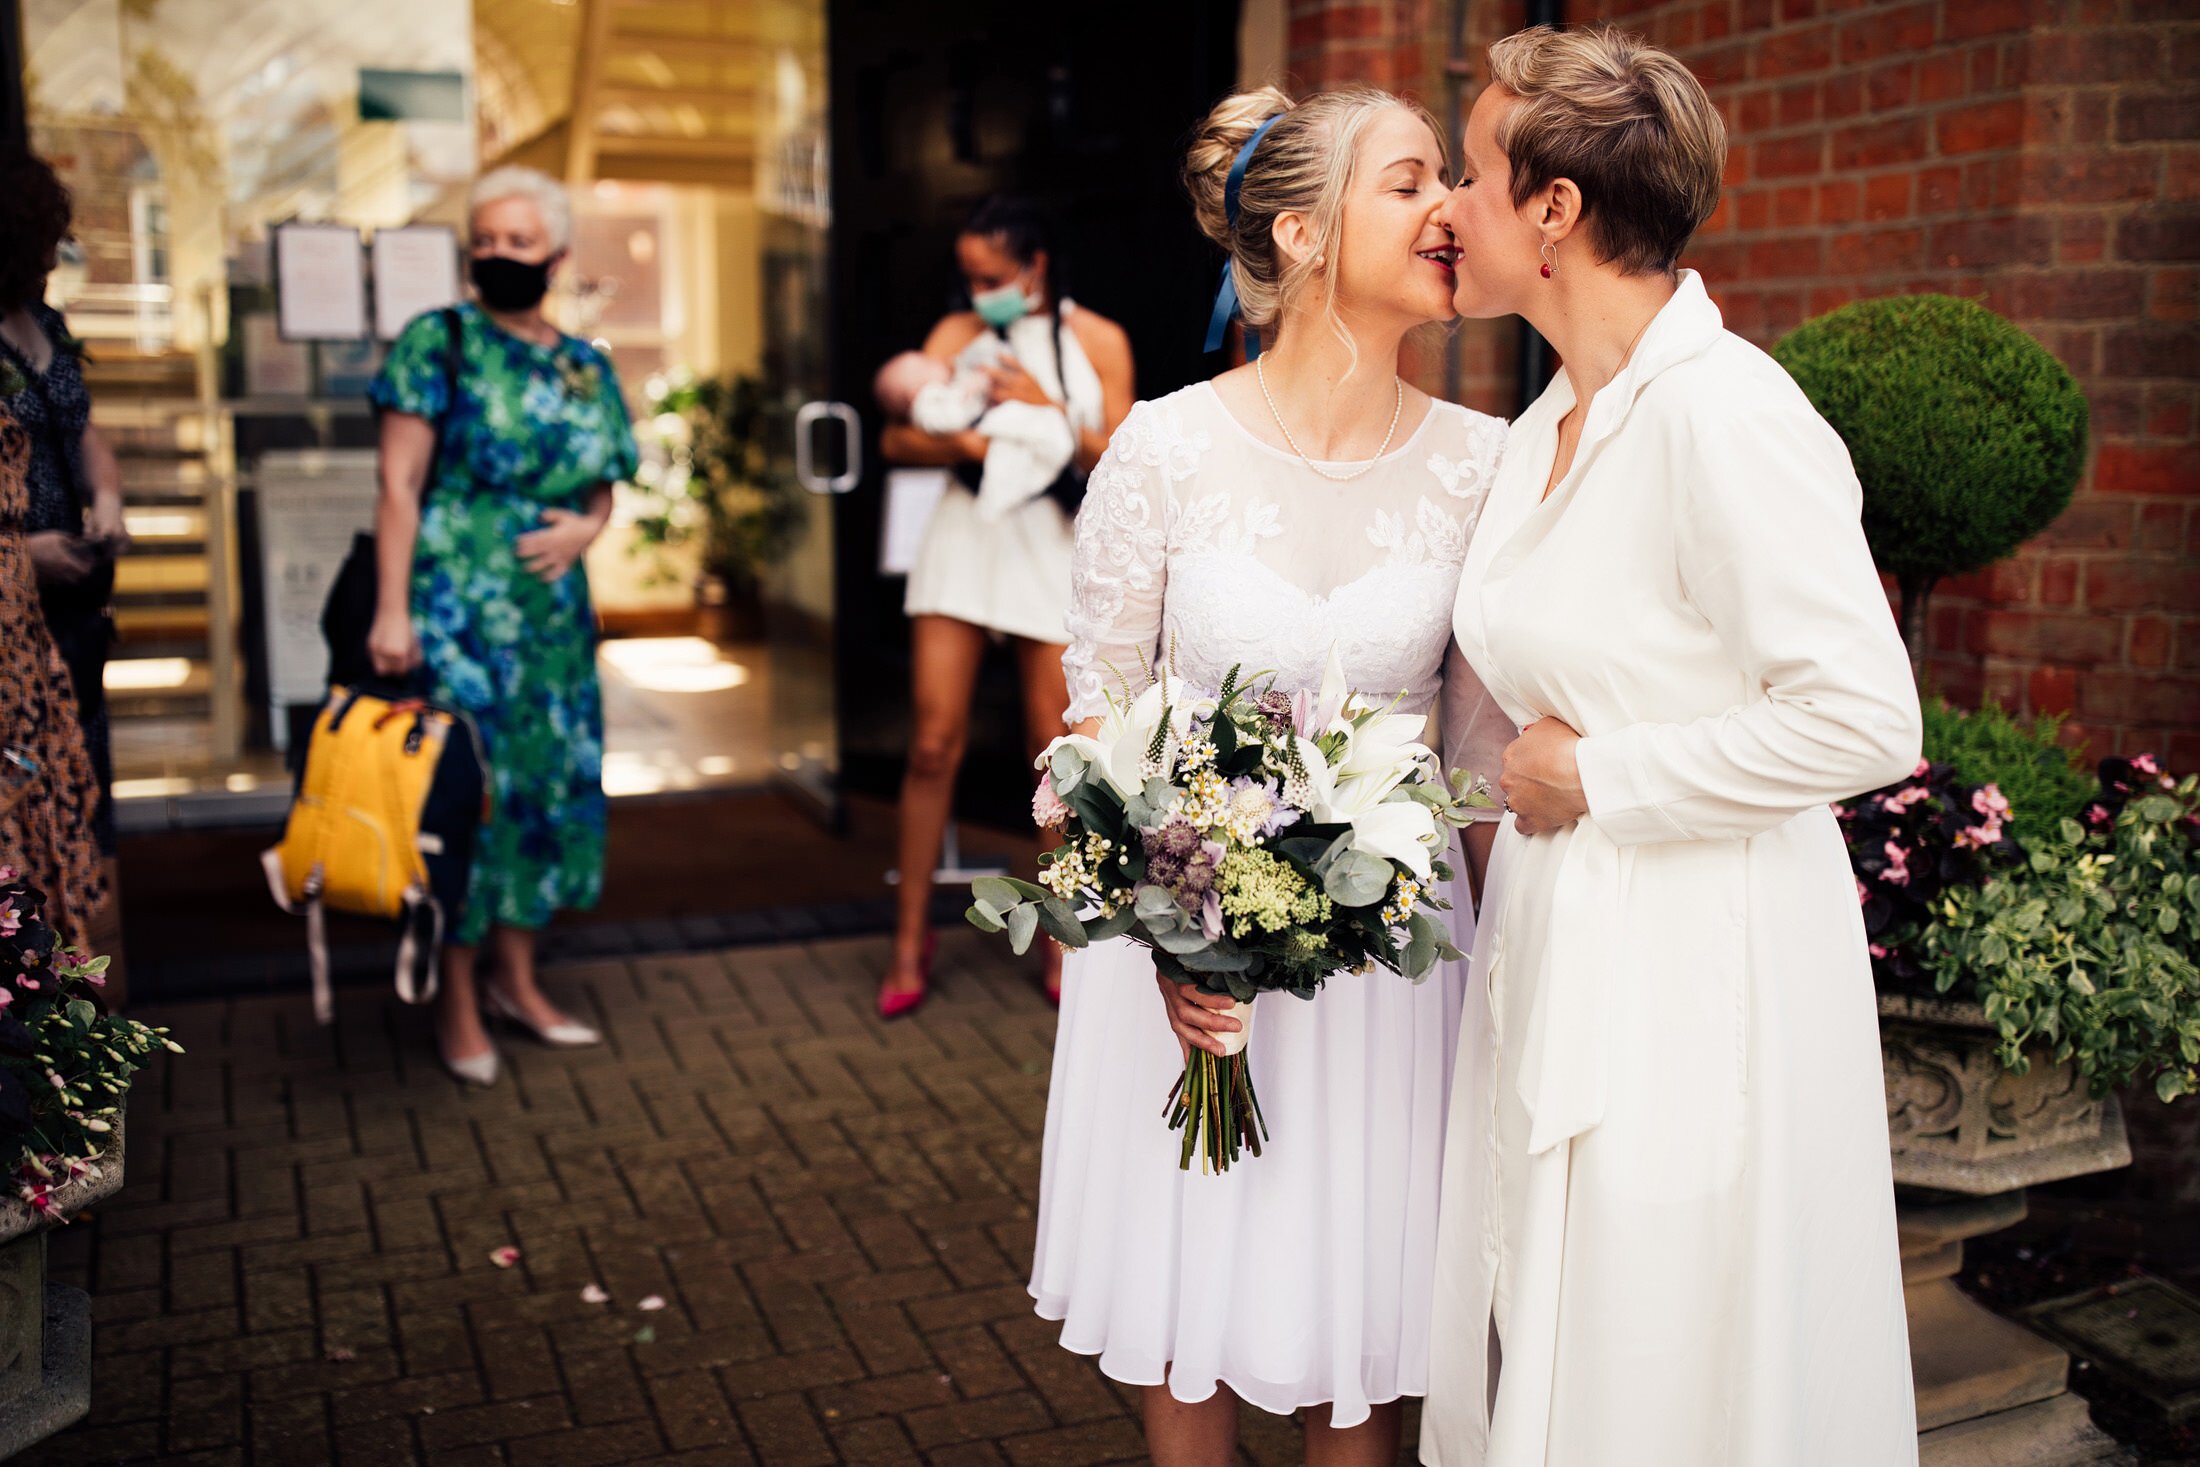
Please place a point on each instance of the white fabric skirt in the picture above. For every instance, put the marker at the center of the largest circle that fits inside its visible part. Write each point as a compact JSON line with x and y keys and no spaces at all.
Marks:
{"x":1298,"y":1277}
{"x":1009,"y":575}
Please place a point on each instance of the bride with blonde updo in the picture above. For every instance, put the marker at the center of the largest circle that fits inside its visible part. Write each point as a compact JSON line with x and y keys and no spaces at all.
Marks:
{"x":1310,"y":503}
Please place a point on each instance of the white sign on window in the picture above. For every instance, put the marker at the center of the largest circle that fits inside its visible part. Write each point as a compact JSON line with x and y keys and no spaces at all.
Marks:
{"x":320,"y":283}
{"x":415,"y":270}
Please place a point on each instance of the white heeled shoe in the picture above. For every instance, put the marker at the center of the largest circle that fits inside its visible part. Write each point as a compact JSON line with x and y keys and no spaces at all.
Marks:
{"x":567,"y":1035}
{"x":475,"y":1069}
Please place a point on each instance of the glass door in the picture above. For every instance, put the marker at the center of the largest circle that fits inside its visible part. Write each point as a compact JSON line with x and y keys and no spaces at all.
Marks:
{"x":818,"y":440}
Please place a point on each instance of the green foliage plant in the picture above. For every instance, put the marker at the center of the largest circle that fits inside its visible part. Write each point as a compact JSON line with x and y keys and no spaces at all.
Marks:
{"x":723,"y":488}
{"x":65,"y":1066}
{"x":1967,"y":434}
{"x":2087,"y":951}
{"x":2033,"y":771}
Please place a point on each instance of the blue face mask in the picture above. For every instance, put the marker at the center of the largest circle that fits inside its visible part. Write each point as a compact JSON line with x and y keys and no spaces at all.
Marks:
{"x":1002,"y":308}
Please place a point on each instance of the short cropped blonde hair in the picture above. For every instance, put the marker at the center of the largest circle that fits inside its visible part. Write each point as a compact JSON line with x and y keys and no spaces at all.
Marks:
{"x":1629,"y":124}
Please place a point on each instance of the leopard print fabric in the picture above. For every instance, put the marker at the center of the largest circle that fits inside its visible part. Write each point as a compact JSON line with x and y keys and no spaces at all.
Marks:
{"x":48,"y":835}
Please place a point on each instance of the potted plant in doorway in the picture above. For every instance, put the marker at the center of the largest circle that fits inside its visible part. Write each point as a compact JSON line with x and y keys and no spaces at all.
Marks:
{"x":722,"y":489}
{"x":65,"y":1068}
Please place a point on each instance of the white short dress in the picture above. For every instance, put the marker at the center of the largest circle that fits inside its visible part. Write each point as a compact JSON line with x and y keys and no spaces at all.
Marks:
{"x":1300,"y":1276}
{"x":1011,"y":575}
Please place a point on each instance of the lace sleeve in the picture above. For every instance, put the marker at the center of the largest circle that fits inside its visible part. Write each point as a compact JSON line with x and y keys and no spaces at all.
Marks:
{"x":1119,"y":569}
{"x":1475,"y":728}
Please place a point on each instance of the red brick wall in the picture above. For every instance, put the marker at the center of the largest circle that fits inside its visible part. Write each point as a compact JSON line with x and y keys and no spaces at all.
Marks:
{"x":1389,"y":43}
{"x":2042,"y":156}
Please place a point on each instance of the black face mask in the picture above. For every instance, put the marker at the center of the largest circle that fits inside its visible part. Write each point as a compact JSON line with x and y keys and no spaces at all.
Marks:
{"x":511,"y":285}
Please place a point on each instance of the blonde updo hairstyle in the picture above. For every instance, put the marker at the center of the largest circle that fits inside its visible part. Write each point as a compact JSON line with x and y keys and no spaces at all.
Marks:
{"x":1304,"y":166}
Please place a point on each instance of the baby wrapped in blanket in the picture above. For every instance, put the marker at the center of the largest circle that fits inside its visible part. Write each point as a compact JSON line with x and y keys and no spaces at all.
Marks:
{"x":1029,"y":445}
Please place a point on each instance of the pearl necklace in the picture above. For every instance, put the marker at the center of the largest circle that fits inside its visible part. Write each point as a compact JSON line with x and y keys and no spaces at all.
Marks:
{"x":1260,"y":370}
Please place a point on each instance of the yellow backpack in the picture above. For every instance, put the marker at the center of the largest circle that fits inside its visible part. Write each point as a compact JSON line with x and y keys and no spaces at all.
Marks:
{"x":383,"y":825}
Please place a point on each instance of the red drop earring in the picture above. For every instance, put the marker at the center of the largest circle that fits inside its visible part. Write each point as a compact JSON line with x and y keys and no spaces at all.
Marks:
{"x":1548,"y":252}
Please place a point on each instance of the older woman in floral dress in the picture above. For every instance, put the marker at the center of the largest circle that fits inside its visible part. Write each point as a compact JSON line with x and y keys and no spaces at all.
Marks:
{"x":501,"y":439}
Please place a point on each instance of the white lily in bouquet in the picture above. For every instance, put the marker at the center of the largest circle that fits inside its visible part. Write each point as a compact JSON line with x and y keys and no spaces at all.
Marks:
{"x":1256,"y":841}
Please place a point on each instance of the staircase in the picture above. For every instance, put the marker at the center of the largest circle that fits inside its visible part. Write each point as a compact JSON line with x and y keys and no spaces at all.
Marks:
{"x":171,"y":680}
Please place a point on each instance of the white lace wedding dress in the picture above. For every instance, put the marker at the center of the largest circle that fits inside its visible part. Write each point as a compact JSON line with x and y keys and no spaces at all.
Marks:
{"x":1300,"y":1276}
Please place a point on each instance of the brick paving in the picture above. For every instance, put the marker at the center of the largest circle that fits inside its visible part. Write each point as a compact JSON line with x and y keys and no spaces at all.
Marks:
{"x":836,"y":1213}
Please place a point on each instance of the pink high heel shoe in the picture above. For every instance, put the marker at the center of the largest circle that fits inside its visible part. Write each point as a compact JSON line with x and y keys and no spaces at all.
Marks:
{"x":894,"y":1005}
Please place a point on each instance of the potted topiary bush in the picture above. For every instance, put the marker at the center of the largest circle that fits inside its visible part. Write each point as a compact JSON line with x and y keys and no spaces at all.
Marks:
{"x":1967,"y":435}
{"x":65,"y":1067}
{"x":722,"y":490}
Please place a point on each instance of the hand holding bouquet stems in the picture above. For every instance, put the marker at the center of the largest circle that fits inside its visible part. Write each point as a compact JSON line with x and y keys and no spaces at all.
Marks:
{"x":1257,"y":841}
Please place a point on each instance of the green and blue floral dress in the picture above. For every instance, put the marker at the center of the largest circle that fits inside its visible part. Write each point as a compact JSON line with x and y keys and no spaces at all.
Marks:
{"x":531,"y":428}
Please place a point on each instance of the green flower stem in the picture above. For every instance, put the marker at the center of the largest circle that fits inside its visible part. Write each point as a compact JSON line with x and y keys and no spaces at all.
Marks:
{"x":1214,"y":1105}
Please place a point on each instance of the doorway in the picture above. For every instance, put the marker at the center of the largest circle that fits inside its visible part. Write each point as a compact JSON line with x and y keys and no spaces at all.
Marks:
{"x":1084,"y":109}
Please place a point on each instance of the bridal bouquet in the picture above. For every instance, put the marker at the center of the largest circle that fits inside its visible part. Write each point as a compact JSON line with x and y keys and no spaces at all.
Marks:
{"x":1256,"y":841}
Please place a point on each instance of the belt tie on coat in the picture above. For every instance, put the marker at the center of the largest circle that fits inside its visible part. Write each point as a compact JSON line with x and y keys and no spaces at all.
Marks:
{"x":1566,"y":1051}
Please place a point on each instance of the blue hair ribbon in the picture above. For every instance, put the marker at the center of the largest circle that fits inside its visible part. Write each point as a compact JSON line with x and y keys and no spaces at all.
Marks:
{"x":1226,"y":297}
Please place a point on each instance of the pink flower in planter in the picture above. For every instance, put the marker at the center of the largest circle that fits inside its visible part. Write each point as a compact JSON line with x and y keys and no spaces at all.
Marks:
{"x":1902,"y":799}
{"x":2144,"y":764}
{"x":1878,"y":951}
{"x":8,"y":874}
{"x":2096,"y":814}
{"x":1863,"y":893}
{"x":1898,"y":865}
{"x":1989,"y":801}
{"x":1924,"y":767}
{"x":1979,"y":837}
{"x":504,"y":1257}
{"x":11,"y":921}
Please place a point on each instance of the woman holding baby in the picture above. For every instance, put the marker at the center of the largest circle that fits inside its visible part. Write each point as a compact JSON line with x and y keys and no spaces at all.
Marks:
{"x":1022,"y":383}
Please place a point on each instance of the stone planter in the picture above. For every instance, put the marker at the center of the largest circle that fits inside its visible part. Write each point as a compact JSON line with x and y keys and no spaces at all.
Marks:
{"x":1968,"y":1137}
{"x":45,"y":1329}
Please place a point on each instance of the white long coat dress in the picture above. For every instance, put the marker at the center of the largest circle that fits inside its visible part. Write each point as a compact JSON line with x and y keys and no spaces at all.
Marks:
{"x":1667,"y":1185}
{"x":1301,"y":1275}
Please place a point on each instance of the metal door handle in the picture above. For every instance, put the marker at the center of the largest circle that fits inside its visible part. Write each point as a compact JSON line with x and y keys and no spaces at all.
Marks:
{"x":806,"y":420}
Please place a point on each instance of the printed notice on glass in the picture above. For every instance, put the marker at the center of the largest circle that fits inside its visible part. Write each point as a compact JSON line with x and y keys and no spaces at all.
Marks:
{"x":415,"y":270}
{"x":320,"y":287}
